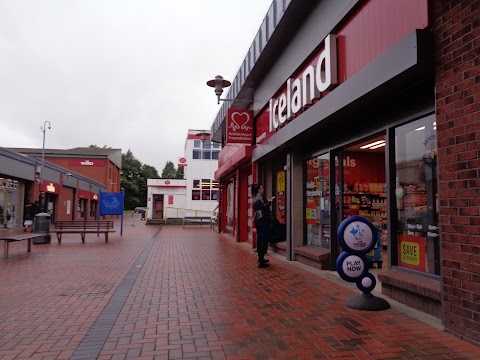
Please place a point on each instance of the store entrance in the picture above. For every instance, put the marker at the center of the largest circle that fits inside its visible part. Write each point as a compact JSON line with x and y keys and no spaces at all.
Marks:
{"x":364,"y":190}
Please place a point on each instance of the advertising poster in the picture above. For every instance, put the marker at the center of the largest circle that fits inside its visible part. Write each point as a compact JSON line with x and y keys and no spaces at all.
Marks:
{"x":411,"y":252}
{"x":280,"y":197}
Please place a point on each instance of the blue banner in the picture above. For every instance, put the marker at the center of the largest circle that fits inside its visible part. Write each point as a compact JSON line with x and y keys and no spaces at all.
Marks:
{"x":111,"y":203}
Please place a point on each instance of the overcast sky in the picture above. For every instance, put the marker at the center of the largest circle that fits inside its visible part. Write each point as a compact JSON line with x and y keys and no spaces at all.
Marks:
{"x":128,"y":74}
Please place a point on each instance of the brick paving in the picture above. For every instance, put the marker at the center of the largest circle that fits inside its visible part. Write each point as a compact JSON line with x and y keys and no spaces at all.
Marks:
{"x":173,"y":293}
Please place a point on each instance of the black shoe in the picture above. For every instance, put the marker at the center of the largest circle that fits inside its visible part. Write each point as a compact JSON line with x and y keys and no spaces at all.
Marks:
{"x":262,"y":265}
{"x":264,"y":261}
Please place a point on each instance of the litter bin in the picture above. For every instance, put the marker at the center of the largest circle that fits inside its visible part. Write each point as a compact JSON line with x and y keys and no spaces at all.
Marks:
{"x":41,"y":224}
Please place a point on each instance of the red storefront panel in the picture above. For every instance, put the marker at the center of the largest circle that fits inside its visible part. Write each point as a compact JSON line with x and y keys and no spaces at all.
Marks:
{"x":359,"y":41}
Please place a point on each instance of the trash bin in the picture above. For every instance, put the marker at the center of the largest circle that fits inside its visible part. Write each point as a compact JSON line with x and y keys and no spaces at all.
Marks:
{"x":41,"y":224}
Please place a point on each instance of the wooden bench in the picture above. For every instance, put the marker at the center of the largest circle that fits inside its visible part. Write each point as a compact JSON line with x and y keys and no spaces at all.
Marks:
{"x":193,"y":220}
{"x":19,"y":237}
{"x":82,"y":228}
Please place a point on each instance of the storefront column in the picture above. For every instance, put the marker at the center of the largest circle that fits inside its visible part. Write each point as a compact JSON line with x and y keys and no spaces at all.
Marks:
{"x":295,"y":203}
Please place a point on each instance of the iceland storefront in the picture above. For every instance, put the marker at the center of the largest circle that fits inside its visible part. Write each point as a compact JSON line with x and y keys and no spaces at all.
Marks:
{"x":345,"y":123}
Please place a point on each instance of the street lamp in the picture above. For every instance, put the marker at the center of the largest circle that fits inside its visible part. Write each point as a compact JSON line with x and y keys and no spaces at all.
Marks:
{"x":43,"y":129}
{"x":203,"y":136}
{"x":218,"y":84}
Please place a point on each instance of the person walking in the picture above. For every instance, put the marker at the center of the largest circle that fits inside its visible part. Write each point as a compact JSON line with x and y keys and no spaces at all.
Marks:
{"x":262,"y":219}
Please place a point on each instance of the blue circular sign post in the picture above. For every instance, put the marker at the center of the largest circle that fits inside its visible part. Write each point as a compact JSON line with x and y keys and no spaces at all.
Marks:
{"x":357,"y":236}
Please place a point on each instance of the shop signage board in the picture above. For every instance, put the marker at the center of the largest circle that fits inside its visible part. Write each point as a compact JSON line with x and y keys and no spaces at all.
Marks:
{"x":303,"y":90}
{"x":239,"y":126}
{"x":50,"y":187}
{"x":86,"y":163}
{"x":358,"y":42}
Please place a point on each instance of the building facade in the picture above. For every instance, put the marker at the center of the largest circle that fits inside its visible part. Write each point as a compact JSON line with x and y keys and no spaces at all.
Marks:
{"x":60,"y":192}
{"x":197,"y":192}
{"x":367,"y":108}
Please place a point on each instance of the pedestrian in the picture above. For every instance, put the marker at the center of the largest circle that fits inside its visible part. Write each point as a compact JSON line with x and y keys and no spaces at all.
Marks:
{"x":262,"y":219}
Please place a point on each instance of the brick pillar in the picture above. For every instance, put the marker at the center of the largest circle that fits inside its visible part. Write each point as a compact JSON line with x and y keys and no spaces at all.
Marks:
{"x":456,"y":28}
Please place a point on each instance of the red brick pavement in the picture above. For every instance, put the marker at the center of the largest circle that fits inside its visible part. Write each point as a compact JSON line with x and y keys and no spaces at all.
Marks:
{"x":174,"y":293}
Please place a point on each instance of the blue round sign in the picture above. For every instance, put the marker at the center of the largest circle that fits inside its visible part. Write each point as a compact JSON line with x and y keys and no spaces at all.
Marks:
{"x":351,"y":267}
{"x":357,"y":235}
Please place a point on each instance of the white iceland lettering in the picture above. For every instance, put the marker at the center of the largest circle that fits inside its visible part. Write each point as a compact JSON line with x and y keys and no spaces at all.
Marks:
{"x":302,"y":91}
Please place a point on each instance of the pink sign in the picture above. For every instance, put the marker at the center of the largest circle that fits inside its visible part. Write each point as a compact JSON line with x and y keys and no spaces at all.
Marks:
{"x":239,"y":126}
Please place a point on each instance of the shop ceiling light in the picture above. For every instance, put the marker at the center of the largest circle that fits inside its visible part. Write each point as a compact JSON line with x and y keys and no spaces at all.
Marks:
{"x":420,"y":128}
{"x":369,"y":146}
{"x":377,"y":146}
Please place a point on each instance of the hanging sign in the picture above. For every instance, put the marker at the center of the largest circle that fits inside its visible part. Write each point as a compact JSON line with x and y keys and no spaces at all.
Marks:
{"x":239,"y":126}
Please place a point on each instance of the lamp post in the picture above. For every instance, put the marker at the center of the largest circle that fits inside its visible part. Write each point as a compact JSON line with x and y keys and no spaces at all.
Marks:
{"x":203,"y":136}
{"x":43,"y":128}
{"x":218,"y":84}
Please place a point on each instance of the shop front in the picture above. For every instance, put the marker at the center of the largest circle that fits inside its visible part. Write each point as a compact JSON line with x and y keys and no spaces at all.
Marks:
{"x":11,"y":202}
{"x":49,"y":194}
{"x":346,"y":105}
{"x":234,"y":175}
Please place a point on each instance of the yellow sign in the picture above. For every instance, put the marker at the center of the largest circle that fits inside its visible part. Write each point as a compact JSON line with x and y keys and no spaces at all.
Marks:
{"x":281,"y":182}
{"x":309,"y":213}
{"x":410,"y":253}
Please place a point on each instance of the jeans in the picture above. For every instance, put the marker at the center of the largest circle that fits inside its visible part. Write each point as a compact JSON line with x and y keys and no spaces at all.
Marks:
{"x":263,"y":236}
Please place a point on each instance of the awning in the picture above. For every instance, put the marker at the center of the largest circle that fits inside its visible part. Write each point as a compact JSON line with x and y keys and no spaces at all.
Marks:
{"x":231,"y":157}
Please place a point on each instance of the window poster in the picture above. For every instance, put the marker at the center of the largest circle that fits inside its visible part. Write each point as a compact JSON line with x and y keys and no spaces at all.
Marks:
{"x":280,"y":197}
{"x":412,"y":252}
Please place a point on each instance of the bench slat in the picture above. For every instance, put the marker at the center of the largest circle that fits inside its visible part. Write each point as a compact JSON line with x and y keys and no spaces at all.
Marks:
{"x":83,"y":227}
{"x":8,"y":239}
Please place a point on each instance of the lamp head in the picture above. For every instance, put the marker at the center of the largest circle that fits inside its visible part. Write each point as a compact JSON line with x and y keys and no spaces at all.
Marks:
{"x":218,"y":84}
{"x":203,"y":135}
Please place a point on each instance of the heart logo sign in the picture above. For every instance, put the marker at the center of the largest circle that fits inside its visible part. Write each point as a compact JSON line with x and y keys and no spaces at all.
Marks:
{"x":239,"y":126}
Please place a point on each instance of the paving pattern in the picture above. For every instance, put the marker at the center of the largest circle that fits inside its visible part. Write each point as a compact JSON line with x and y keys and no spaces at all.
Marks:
{"x":174,"y":293}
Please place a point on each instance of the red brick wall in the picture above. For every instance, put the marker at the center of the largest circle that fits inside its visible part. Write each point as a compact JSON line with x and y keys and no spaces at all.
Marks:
{"x":456,"y":27}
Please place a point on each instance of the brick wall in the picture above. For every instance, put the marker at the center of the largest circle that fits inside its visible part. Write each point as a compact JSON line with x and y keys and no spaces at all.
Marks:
{"x":456,"y":27}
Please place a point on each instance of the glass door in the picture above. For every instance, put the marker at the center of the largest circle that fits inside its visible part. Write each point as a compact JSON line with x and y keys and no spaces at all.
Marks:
{"x":317,"y":208}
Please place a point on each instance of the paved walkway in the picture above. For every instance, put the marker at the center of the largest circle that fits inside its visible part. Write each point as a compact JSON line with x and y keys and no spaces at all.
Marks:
{"x":173,"y":293}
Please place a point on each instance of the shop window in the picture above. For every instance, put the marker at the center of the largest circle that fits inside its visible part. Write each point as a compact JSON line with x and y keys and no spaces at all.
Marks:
{"x":416,"y":192}
{"x":195,"y":194}
{"x":206,"y":184}
{"x":205,"y":194}
{"x":317,"y":211}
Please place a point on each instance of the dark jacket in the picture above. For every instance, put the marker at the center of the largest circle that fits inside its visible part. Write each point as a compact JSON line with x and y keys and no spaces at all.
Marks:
{"x":261,"y":207}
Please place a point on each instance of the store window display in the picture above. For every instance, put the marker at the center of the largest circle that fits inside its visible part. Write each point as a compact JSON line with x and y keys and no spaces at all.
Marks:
{"x":317,"y":211}
{"x":416,"y":192}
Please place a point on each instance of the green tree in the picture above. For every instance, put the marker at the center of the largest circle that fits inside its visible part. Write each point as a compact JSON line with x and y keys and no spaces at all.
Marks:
{"x":134,"y":177}
{"x":169,"y":171}
{"x":180,"y":172}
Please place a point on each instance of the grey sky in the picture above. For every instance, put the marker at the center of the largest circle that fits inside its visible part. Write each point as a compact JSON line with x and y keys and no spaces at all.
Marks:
{"x":128,"y":74}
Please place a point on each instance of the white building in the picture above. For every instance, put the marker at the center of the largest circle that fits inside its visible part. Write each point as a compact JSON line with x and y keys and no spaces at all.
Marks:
{"x":197,"y":192}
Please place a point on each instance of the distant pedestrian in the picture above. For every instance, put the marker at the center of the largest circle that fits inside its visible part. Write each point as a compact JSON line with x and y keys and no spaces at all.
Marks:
{"x":262,"y":218}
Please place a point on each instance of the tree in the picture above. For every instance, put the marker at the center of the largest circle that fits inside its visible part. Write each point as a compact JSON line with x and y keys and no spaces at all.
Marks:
{"x":180,"y":172}
{"x":134,"y":177}
{"x":169,"y":171}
